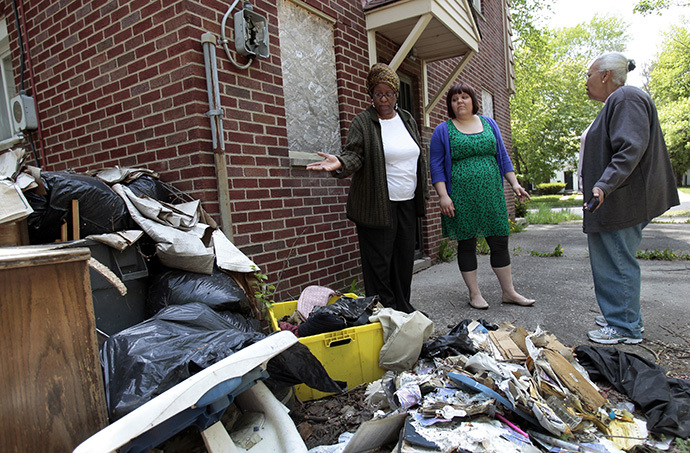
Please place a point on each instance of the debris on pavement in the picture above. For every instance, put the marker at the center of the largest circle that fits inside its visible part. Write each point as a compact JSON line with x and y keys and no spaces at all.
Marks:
{"x":484,"y":399}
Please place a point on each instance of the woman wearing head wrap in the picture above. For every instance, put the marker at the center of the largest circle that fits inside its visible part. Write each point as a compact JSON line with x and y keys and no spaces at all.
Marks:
{"x":626,"y":170}
{"x":383,"y":153}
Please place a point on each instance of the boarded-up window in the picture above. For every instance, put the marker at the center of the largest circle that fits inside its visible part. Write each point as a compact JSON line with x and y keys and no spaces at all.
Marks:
{"x":309,"y":82}
{"x":487,"y":104}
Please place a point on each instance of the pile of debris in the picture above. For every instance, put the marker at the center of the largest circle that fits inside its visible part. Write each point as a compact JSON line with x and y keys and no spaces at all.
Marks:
{"x":479,"y":387}
{"x":483,"y":387}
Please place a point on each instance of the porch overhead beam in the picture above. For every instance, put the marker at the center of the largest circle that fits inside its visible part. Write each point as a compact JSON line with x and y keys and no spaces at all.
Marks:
{"x":449,"y":81}
{"x":411,"y":39}
{"x":373,"y":56}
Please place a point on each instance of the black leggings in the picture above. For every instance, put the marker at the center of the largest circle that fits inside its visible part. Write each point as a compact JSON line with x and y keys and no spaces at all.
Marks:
{"x":467,"y":253}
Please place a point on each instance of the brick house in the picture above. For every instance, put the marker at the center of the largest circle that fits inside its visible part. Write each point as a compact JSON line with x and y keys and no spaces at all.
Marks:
{"x":125,"y":83}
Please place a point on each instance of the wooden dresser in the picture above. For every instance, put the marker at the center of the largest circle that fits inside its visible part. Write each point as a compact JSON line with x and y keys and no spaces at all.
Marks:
{"x":51,"y":383}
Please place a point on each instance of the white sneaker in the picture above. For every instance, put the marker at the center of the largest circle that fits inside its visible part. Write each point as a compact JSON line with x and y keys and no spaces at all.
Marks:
{"x":601,"y":321}
{"x":609,"y":335}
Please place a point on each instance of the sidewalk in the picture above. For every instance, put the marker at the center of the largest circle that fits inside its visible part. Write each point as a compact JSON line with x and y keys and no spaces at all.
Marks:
{"x":563,"y":287}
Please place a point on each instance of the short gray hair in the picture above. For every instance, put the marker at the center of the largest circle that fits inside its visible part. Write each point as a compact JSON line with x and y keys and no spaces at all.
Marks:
{"x":618,"y":64}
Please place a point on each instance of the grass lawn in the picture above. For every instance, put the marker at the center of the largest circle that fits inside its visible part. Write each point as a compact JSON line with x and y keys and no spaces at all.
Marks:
{"x":684,"y":189}
{"x":552,"y":201}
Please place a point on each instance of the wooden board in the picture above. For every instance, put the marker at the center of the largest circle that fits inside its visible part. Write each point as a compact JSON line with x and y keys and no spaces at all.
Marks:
{"x":51,"y":383}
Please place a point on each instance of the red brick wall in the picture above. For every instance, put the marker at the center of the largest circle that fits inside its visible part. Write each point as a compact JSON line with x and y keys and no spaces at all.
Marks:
{"x":123,"y":83}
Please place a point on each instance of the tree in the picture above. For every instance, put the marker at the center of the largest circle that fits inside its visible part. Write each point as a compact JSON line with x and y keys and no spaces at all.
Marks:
{"x":670,"y":86}
{"x":645,"y":7}
{"x":550,"y":108}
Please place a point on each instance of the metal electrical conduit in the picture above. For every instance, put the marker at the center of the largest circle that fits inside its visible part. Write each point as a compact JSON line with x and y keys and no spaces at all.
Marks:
{"x":224,"y":41}
{"x":215,"y":114}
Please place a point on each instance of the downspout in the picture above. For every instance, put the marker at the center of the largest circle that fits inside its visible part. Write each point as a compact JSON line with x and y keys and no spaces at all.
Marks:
{"x":215,"y":114}
{"x":21,"y":32}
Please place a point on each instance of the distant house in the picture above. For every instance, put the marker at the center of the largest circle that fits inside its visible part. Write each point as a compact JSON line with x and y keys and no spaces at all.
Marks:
{"x":569,"y":178}
{"x":125,"y":83}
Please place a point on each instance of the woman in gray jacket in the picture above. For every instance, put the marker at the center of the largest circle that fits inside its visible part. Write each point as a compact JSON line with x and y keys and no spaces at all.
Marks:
{"x":383,"y":153}
{"x":628,"y":180}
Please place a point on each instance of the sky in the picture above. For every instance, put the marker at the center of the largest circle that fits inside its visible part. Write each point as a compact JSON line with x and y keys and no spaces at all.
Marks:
{"x":645,"y":31}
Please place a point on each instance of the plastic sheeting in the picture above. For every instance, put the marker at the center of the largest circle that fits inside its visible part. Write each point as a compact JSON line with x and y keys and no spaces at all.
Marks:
{"x":344,"y":312}
{"x":149,"y":358}
{"x":174,"y":247}
{"x":176,"y":287}
{"x":457,"y":341}
{"x":664,"y":401}
{"x":403,"y":334}
{"x":100,"y":209}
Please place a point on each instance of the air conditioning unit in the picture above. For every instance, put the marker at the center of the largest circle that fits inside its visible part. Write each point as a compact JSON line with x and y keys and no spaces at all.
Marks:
{"x":23,"y":113}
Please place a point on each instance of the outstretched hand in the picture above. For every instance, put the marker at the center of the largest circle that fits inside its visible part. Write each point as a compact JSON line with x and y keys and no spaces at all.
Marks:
{"x":329,"y":163}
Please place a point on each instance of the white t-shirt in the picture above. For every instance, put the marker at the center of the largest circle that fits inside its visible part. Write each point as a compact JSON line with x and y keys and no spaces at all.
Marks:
{"x":401,"y":152}
{"x":583,"y":137}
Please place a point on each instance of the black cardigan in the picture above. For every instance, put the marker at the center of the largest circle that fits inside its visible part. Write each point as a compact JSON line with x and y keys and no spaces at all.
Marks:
{"x":363,"y":158}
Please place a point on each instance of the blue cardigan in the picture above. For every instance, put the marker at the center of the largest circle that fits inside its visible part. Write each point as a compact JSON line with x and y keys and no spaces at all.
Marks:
{"x":439,"y":159}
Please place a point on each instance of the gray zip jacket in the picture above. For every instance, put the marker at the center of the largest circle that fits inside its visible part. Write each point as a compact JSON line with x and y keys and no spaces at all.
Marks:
{"x":625,"y":155}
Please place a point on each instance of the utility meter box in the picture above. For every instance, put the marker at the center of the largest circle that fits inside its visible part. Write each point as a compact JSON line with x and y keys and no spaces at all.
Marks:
{"x":23,"y":113}
{"x":251,"y":34}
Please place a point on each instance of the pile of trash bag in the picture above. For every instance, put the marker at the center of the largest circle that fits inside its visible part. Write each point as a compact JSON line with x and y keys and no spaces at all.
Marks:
{"x":147,"y":359}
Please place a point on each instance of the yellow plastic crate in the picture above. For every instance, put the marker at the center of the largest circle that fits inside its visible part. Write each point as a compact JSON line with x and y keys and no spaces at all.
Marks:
{"x":350,"y":355}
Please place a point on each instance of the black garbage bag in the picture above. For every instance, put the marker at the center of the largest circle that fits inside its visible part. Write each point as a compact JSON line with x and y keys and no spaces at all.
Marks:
{"x":177,"y":287}
{"x":321,"y":322}
{"x":145,"y":360}
{"x":101,"y":210}
{"x":297,"y":365}
{"x":42,"y":229}
{"x":455,"y":342}
{"x":241,"y":322}
{"x":344,"y":312}
{"x":149,"y":186}
{"x":151,"y":357}
{"x":665,"y":401}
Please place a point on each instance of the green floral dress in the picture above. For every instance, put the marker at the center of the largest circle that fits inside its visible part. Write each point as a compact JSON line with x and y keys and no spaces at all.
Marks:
{"x":477,"y":187}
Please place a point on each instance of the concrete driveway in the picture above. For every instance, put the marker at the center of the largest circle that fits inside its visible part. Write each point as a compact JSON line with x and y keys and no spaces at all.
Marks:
{"x":563,"y":287}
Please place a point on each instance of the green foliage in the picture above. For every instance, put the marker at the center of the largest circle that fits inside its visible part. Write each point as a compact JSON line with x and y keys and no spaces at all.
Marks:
{"x":547,"y":216}
{"x":646,"y":7}
{"x":482,"y":247}
{"x":355,"y":288}
{"x":446,"y":251}
{"x":516,"y":227}
{"x":670,"y":86}
{"x":557,"y":252}
{"x":263,"y":291}
{"x":683,"y":445}
{"x":551,"y":188}
{"x":520,"y":208}
{"x":677,"y":213}
{"x":552,"y":201}
{"x":661,"y":255}
{"x":550,"y":107}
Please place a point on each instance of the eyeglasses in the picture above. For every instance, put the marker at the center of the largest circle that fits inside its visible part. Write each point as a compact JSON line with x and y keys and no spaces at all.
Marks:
{"x":389,"y":96}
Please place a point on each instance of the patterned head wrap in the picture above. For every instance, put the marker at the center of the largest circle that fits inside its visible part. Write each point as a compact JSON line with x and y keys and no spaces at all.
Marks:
{"x":382,"y":73}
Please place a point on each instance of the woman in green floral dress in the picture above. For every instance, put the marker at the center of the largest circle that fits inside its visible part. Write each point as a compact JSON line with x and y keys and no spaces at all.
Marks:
{"x":468,"y":163}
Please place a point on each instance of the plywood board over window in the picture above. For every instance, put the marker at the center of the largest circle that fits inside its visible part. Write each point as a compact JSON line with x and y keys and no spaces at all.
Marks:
{"x":487,"y":104}
{"x":309,"y":82}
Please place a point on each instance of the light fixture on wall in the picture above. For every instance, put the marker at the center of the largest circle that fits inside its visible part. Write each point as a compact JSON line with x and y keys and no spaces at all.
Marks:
{"x":251,"y":34}
{"x":413,"y":54}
